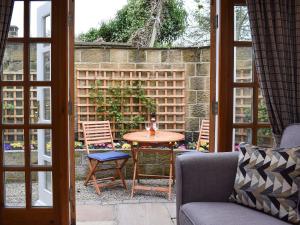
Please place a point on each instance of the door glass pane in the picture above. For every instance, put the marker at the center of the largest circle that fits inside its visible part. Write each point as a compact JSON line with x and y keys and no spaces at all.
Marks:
{"x":14,"y":183}
{"x":40,"y":104}
{"x":40,"y":18}
{"x":243,"y":65}
{"x":243,"y":101}
{"x":13,"y":62}
{"x":13,"y":147}
{"x":13,"y":105}
{"x":42,"y":188}
{"x":242,"y":30}
{"x":241,"y":135}
{"x":41,"y":146}
{"x":40,"y":62}
{"x":265,"y":137}
{"x":16,"y":28}
{"x":262,"y":109}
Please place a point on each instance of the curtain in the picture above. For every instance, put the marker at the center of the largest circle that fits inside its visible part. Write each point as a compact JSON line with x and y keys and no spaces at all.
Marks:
{"x":6,"y":8}
{"x":275,"y":29}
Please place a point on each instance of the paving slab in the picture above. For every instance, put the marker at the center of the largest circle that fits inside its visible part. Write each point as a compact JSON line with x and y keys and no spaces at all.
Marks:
{"x":171,"y":207}
{"x":95,"y":213}
{"x":143,"y":214}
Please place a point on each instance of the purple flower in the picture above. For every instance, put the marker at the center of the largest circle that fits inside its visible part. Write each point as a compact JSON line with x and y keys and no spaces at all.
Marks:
{"x":7,"y":147}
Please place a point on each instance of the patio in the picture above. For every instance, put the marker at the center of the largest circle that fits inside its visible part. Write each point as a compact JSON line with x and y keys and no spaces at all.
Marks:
{"x":115,"y":207}
{"x":127,"y":213}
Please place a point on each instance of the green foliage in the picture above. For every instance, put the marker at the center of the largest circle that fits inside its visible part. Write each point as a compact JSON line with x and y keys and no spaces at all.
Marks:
{"x":134,"y":16}
{"x":202,"y":16}
{"x":8,"y":106}
{"x":263,"y":113}
{"x":78,"y":145}
{"x":174,"y":22}
{"x":113,"y":105}
{"x":262,"y":133}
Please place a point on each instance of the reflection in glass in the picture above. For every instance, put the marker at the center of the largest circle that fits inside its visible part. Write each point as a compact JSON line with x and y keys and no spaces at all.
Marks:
{"x":262,"y":109}
{"x":241,"y":24}
{"x":265,"y":137}
{"x":41,"y":146}
{"x":40,"y":19}
{"x":40,"y":107}
{"x":14,"y":189}
{"x":243,"y":65}
{"x":243,"y":105}
{"x":42,"y":189}
{"x":13,"y":147}
{"x":241,"y":135}
{"x":16,"y":28}
{"x":13,"y":62}
{"x":40,"y":62}
{"x":12,"y":105}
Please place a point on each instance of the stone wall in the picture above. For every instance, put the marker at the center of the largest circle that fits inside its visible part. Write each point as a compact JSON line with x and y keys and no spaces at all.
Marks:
{"x":195,"y":61}
{"x":149,"y":163}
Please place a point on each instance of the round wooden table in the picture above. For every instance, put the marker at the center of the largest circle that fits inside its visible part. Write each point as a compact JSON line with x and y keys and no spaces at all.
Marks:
{"x":152,"y":144}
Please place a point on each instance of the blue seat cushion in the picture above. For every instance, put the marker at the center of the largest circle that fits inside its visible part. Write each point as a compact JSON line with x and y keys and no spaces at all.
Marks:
{"x":107,"y":156}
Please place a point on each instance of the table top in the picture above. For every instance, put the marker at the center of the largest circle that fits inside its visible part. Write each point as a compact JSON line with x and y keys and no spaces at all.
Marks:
{"x":160,"y":137}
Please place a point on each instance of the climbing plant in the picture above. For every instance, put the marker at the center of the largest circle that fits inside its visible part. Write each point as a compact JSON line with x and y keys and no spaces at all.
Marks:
{"x":112,"y":104}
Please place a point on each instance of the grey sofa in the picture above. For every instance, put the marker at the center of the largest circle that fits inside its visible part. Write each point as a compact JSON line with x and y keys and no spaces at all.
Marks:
{"x":204,"y":182}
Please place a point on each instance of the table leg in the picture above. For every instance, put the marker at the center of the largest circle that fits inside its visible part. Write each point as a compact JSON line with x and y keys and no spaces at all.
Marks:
{"x":171,"y":173}
{"x":134,"y":157}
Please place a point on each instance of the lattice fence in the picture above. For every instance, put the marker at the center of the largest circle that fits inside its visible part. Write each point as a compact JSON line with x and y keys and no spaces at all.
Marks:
{"x":166,"y":87}
{"x":13,"y":106}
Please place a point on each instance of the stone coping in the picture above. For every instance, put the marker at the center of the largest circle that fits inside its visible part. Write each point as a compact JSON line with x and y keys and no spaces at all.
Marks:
{"x":111,"y":45}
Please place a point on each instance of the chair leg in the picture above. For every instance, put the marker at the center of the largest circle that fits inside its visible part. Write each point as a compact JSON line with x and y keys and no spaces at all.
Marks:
{"x":90,"y":173}
{"x":173,"y":165}
{"x":119,"y":172}
{"x":95,"y":180}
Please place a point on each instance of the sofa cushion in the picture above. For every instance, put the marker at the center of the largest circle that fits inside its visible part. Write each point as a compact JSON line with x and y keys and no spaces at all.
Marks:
{"x":223,"y":213}
{"x":268,"y":180}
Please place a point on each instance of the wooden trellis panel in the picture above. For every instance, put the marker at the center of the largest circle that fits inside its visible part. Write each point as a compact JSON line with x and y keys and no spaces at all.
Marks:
{"x":13,"y":106}
{"x":166,"y":87}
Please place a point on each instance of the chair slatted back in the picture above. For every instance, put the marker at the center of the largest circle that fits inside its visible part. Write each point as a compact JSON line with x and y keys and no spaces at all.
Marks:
{"x":97,"y":132}
{"x":204,"y":133}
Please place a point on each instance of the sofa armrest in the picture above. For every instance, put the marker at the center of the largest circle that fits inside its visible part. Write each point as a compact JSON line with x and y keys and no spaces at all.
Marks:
{"x":205,"y":177}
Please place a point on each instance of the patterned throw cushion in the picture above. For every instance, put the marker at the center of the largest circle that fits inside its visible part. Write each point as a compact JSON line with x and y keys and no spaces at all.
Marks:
{"x":268,"y":180}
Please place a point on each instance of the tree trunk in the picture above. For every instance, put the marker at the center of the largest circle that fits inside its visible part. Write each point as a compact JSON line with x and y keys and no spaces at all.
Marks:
{"x":147,"y":35}
{"x":157,"y":20}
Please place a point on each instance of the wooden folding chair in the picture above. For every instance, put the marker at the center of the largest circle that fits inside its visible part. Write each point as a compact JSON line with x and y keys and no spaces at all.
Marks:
{"x":99,"y":133}
{"x":203,"y":134}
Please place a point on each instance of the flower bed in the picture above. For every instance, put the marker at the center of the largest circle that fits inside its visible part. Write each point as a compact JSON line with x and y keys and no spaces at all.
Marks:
{"x":123,"y":145}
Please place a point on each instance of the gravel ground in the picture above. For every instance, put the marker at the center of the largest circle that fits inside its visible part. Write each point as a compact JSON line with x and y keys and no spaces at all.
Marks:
{"x":15,"y":194}
{"x":117,"y":194}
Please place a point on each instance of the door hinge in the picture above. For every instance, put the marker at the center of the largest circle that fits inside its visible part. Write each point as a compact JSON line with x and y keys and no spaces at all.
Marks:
{"x":215,"y":108}
{"x":216,"y":23}
{"x":70,"y":194}
{"x":70,"y":108}
{"x":70,"y":19}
